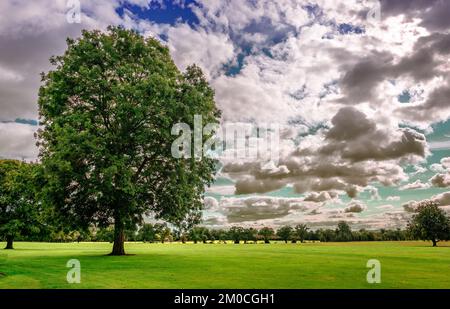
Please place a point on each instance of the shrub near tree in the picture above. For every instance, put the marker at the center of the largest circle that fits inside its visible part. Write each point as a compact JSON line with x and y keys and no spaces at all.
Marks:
{"x":107,"y":110}
{"x":165,"y":234}
{"x":198,"y":233}
{"x":19,"y":208}
{"x":430,"y":223}
{"x":147,"y":233}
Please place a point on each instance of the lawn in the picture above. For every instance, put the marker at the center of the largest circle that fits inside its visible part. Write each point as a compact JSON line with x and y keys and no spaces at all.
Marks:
{"x":176,"y":265}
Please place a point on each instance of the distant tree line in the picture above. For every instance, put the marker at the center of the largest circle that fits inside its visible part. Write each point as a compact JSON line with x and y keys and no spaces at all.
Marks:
{"x":23,"y":217}
{"x":161,"y":233}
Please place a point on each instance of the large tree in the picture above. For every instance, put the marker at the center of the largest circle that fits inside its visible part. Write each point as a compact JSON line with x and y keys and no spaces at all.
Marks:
{"x":19,"y":214}
{"x":430,"y":223}
{"x":107,"y":110}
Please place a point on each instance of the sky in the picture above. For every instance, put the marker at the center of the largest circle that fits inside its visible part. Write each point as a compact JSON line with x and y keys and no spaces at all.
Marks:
{"x":360,"y":88}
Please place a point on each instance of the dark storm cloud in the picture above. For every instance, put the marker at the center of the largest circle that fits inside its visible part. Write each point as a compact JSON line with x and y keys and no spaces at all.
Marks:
{"x":357,"y":138}
{"x":246,"y":186}
{"x":259,"y":208}
{"x":359,"y":81}
{"x":441,"y":180}
{"x":433,"y":13}
{"x":349,"y":123}
{"x":435,"y":108}
{"x":424,"y":63}
{"x":27,"y":56}
{"x":353,"y":153}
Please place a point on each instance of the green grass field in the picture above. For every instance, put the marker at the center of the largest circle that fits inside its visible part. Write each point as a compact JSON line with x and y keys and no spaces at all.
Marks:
{"x":176,"y":265}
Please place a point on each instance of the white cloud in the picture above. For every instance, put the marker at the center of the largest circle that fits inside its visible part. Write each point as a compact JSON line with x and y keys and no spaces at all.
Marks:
{"x":17,"y":141}
{"x":355,"y":207}
{"x":415,"y":185}
{"x":393,"y":198}
{"x":210,"y":50}
{"x":442,"y":199}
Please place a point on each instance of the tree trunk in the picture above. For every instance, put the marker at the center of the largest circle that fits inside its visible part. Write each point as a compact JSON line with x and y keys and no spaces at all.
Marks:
{"x":434,"y":242}
{"x":9,"y":242}
{"x":119,"y":238}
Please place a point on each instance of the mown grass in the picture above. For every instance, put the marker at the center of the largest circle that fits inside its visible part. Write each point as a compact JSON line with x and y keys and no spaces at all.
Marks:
{"x":277,"y":265}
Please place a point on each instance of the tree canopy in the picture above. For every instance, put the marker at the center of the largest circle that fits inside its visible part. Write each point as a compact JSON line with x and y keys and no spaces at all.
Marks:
{"x":266,"y":233}
{"x":107,"y":110}
{"x":285,"y":233}
{"x":430,"y":223}
{"x":19,"y":209}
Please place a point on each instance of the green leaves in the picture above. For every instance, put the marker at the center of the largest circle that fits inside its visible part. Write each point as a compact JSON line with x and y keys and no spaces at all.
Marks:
{"x":430,"y":223}
{"x":107,"y":110}
{"x":19,"y":209}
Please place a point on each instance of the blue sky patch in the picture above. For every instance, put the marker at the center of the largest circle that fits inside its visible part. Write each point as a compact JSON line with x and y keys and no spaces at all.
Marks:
{"x":168,"y":13}
{"x":404,"y":97}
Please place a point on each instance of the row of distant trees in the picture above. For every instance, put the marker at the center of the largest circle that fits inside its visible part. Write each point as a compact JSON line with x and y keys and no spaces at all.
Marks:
{"x":24,"y":217}
{"x":161,"y":232}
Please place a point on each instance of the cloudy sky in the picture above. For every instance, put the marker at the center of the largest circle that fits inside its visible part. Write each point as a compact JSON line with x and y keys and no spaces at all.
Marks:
{"x":360,"y":88}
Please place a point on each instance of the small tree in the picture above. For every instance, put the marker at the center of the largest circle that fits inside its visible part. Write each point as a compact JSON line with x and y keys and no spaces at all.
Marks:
{"x":301,"y":231}
{"x":430,"y":223}
{"x":285,"y":233}
{"x":186,"y":224}
{"x":343,"y":232}
{"x":105,"y":234}
{"x":165,"y":233}
{"x":147,"y":233}
{"x":19,"y":209}
{"x":236,"y":233}
{"x":199,"y":233}
{"x":266,"y":233}
{"x":223,"y":236}
{"x":250,"y":235}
